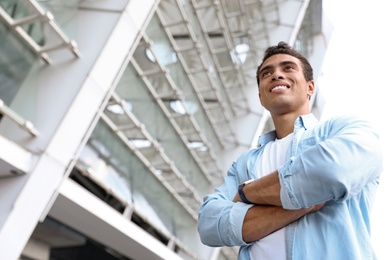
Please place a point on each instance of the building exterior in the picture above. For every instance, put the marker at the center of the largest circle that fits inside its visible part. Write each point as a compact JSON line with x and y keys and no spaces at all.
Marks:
{"x":117,"y":117}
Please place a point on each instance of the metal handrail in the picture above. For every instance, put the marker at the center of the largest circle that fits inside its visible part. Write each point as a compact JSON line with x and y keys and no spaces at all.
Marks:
{"x":23,"y":123}
{"x":43,"y":16}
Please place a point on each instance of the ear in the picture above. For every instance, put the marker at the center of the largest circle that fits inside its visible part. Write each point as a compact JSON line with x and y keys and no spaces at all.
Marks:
{"x":310,"y":88}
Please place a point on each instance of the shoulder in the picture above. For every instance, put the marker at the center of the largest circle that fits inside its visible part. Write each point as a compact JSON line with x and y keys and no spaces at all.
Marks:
{"x":245,"y":159}
{"x":350,"y":122}
{"x":245,"y":155}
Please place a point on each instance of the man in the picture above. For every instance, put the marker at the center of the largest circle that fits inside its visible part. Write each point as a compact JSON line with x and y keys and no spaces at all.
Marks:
{"x":306,"y":191}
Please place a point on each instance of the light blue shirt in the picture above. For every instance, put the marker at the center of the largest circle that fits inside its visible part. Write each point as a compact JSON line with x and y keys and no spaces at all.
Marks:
{"x":338,"y":162}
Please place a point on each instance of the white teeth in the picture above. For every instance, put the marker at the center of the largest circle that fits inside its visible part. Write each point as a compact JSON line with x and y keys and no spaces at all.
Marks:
{"x":279,"y":87}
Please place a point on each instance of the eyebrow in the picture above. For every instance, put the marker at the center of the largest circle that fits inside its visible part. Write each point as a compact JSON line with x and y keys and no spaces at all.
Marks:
{"x":282,"y":63}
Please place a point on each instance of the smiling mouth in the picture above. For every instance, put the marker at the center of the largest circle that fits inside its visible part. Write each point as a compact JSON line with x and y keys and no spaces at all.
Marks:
{"x":279,"y":87}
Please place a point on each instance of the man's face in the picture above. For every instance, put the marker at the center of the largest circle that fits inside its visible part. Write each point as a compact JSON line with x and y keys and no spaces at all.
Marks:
{"x":283,"y":87}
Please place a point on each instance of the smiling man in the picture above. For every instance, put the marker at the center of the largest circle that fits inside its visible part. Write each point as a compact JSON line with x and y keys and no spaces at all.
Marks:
{"x":307,"y":190}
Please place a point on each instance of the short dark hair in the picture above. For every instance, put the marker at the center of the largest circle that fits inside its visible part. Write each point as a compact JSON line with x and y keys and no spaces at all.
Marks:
{"x":284,"y":48}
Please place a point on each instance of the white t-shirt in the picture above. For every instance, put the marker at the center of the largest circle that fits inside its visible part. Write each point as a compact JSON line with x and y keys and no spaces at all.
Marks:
{"x":273,"y":246}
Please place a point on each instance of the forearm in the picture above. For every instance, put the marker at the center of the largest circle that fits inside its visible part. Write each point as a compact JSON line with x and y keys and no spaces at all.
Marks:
{"x":264,"y":191}
{"x":262,"y":220}
{"x":267,"y":216}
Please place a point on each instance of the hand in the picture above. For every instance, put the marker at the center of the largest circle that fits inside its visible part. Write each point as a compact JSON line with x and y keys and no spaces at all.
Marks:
{"x":237,"y":198}
{"x":315,"y":207}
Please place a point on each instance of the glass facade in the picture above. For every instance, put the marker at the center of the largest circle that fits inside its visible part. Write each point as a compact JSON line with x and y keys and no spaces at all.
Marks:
{"x":16,"y":63}
{"x":154,"y":146}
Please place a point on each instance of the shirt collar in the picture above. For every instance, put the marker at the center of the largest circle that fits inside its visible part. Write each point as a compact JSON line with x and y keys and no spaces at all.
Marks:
{"x":305,"y":121}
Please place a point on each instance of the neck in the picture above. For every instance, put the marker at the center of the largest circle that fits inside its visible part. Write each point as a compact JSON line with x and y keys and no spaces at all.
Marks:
{"x":284,"y":124}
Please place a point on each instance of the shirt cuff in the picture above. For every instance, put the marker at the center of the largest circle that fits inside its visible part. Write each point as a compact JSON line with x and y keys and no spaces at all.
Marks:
{"x":287,"y":196}
{"x":237,"y":215}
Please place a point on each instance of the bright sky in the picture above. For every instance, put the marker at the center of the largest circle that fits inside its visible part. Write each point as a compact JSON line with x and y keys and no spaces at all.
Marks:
{"x":354,"y":80}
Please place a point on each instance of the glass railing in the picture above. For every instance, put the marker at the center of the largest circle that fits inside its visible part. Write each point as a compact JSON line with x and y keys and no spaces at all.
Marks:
{"x":19,"y":61}
{"x":17,"y":65}
{"x":110,"y":161}
{"x":21,"y":10}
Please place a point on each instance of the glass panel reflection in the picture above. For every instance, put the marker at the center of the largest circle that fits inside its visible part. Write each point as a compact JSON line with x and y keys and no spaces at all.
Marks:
{"x":16,"y":62}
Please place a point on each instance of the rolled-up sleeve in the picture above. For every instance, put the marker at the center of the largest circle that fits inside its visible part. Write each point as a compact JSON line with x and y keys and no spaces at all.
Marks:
{"x":220,"y":223}
{"x":220,"y":219}
{"x":333,"y":162}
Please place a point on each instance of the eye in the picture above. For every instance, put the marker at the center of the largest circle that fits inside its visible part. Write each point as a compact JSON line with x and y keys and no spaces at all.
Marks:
{"x":289,"y":67}
{"x":265,"y":74}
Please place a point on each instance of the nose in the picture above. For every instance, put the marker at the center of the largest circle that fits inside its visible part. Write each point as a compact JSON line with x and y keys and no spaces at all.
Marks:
{"x":277,"y":76}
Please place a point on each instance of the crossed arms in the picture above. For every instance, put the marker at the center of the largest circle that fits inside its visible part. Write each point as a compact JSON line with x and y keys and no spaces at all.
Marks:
{"x":333,"y":164}
{"x":267,"y":215}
